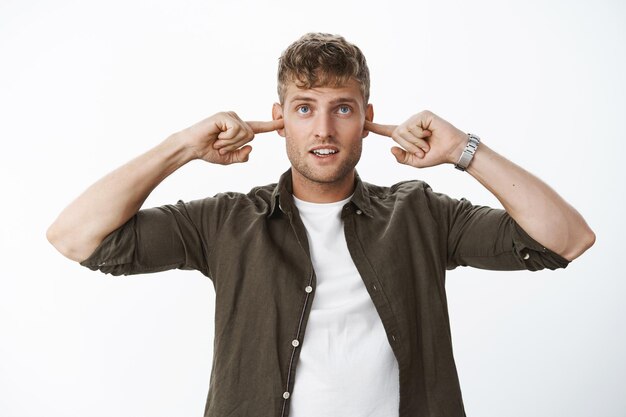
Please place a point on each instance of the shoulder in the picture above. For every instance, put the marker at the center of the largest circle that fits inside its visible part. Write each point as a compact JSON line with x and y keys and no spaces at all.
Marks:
{"x":398,"y":190}
{"x":262,"y":192}
{"x":257,"y":199}
{"x":414,"y":195}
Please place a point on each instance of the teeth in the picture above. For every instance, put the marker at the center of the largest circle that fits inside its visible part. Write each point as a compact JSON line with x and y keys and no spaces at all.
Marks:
{"x":324,"y":151}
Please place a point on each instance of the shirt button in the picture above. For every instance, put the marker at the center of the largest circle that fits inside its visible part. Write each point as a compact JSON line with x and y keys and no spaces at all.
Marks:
{"x":359,"y":212}
{"x":308,"y":288}
{"x":286,"y":394}
{"x":526,"y":256}
{"x":295,"y":342}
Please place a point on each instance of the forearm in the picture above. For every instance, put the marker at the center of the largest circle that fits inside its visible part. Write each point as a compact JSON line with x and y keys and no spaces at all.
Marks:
{"x":111,"y":201}
{"x":536,"y":207}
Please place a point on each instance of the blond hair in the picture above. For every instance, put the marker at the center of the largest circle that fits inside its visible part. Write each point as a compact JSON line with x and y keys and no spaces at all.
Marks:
{"x":322,"y":60}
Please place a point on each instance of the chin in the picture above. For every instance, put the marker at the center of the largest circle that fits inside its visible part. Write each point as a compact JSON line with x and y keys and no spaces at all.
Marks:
{"x":326,"y":176}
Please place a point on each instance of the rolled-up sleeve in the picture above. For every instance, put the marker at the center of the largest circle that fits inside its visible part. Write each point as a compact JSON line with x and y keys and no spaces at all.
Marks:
{"x":488,"y":238}
{"x":161,"y":238}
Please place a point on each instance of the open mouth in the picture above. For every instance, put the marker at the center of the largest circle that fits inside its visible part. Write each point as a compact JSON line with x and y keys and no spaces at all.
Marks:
{"x":324,"y":152}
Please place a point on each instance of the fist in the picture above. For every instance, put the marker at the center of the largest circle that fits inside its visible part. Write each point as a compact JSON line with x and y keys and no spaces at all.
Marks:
{"x":222,"y":138}
{"x":425,"y":140}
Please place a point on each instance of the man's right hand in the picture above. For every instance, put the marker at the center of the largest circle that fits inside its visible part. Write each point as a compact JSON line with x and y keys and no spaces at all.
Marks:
{"x":222,"y":138}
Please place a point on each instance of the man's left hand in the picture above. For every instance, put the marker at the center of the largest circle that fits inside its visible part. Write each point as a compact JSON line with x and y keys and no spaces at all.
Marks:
{"x":426,"y":140}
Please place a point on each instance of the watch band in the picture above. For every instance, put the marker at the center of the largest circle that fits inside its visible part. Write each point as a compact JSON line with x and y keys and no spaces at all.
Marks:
{"x":468,"y":153}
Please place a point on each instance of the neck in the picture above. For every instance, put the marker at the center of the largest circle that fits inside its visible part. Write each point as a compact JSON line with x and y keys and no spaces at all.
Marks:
{"x":322,"y":192}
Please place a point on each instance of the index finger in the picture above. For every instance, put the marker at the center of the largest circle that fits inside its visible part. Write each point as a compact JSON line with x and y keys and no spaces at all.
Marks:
{"x":263,"y":127}
{"x":385,"y":130}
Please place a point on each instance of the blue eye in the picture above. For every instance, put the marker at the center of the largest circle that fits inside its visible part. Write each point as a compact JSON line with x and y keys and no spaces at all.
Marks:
{"x":344,"y":109}
{"x":303,"y":109}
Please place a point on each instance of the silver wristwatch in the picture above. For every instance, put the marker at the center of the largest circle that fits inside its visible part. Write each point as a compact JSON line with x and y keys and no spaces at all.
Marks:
{"x":468,"y":153}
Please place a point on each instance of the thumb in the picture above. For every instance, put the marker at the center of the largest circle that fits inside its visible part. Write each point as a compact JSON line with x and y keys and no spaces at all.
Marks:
{"x":401,"y":155}
{"x":240,"y":155}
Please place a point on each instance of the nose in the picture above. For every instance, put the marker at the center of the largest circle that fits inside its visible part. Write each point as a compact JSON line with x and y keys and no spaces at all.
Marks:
{"x":324,"y":126}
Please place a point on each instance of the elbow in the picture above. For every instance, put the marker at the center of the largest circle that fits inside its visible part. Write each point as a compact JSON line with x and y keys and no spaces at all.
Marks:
{"x":55,"y":237}
{"x":584,"y":241}
{"x":61,"y":243}
{"x":589,"y":241}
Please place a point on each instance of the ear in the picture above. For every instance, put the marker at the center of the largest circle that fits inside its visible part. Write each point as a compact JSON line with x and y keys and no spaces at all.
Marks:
{"x":369,"y":116}
{"x":277,"y":113}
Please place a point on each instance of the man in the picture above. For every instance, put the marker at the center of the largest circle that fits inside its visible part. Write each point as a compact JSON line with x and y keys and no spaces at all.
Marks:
{"x":360,"y":267}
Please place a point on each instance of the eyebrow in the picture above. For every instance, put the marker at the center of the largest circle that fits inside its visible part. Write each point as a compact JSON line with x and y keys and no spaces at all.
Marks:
{"x":334,"y":101}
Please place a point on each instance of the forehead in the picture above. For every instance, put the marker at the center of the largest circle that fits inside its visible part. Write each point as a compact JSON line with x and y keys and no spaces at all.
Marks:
{"x":350,"y":91}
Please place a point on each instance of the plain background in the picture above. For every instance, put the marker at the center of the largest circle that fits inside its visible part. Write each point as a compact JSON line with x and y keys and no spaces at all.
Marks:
{"x":86,"y":86}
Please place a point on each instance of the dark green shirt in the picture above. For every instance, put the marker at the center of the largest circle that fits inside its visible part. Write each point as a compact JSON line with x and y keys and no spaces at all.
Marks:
{"x":254,"y":248}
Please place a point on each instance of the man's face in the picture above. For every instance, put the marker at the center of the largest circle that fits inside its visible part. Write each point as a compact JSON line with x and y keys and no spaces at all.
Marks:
{"x":323,"y":131}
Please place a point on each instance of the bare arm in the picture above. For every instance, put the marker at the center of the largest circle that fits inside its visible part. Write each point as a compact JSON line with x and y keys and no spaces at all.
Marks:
{"x":427,"y":140}
{"x":536,"y":207}
{"x":111,"y":201}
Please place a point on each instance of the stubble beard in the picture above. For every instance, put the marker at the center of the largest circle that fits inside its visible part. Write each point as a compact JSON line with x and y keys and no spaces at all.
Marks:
{"x":323,"y":175}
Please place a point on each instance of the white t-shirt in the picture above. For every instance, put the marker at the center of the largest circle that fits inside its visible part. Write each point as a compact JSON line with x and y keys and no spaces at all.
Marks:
{"x":346,"y":366}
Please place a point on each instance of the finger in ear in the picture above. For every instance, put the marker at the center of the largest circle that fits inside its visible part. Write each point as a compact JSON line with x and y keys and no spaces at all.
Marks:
{"x":277,"y":114}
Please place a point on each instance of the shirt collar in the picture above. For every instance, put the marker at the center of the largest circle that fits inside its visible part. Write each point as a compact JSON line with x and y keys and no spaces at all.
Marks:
{"x":281,"y":197}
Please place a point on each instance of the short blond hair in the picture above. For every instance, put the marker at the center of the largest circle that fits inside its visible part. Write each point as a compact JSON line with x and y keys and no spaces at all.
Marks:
{"x":322,"y":60}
